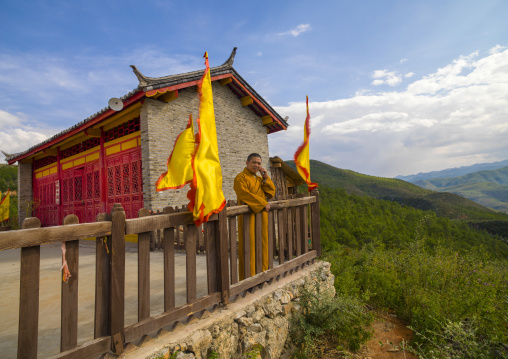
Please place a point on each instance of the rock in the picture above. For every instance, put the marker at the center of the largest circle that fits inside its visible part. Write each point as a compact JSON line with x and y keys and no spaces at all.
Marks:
{"x":244,"y":321}
{"x":182,"y":355}
{"x":272,"y":308}
{"x":256,"y":327}
{"x":258,"y":315}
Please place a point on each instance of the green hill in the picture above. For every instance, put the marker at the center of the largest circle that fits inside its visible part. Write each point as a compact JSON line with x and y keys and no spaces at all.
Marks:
{"x":488,"y":188}
{"x":447,"y":205}
{"x":8,"y":178}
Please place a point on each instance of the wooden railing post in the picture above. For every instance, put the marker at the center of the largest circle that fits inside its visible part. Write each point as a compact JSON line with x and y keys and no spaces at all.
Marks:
{"x":144,"y":270}
{"x":190,"y":236}
{"x":233,"y":246}
{"x":117,"y":299}
{"x":315,"y":223}
{"x":223,"y":266}
{"x":69,"y":299}
{"x":169,"y":264}
{"x":102,"y":281}
{"x":28,"y":328}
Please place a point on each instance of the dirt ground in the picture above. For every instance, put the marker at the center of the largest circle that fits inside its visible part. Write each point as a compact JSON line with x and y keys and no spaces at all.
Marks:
{"x":391,"y":333}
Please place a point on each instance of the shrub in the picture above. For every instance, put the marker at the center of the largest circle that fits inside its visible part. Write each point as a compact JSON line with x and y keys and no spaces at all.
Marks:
{"x":342,"y":319}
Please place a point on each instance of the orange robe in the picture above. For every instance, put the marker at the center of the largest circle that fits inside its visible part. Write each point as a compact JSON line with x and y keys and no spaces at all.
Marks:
{"x":251,"y":190}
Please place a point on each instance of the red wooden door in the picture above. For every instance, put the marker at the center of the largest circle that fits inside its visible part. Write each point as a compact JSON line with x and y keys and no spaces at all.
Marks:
{"x":72,"y":194}
{"x":45,"y":205}
{"x":91,"y":192}
{"x":124,"y":182}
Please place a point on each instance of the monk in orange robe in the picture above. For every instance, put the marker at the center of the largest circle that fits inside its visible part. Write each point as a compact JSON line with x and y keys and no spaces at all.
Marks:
{"x":253,"y":191}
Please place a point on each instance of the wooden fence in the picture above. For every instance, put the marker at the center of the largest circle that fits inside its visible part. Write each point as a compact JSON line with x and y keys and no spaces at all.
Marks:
{"x":294,"y":241}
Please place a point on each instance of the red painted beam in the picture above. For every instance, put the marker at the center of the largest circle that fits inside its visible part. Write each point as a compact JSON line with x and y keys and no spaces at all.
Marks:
{"x":128,"y":102}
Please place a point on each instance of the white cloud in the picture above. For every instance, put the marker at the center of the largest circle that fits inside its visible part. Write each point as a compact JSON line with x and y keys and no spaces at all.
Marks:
{"x":403,"y":60}
{"x":390,"y":78}
{"x":297,"y":30}
{"x":17,"y":134}
{"x":409,"y":75}
{"x":453,"y":117}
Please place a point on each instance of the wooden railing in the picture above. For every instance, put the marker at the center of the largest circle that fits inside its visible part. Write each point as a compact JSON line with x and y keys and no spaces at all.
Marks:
{"x":292,"y":243}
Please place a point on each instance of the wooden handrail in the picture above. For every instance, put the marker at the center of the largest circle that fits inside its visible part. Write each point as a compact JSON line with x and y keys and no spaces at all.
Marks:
{"x":291,"y":240}
{"x":37,"y":236}
{"x":244,"y":209}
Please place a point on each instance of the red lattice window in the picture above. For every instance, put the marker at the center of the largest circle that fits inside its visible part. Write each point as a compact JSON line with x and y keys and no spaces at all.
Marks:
{"x":123,"y":129}
{"x":64,"y":190}
{"x":110,"y":181}
{"x":96,"y":184}
{"x":118,"y":180}
{"x":135,"y":177}
{"x":78,"y":188}
{"x":44,"y":162}
{"x":80,"y":147}
{"x":71,"y":190}
{"x":89,"y":185}
{"x":126,"y":177}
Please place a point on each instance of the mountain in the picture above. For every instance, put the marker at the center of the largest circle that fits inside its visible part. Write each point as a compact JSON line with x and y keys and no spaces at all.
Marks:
{"x":444,"y":204}
{"x":454,"y":172}
{"x":488,"y":188}
{"x":448,"y":205}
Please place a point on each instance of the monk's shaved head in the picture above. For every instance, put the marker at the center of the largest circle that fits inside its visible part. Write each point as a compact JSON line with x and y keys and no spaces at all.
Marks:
{"x":252,"y":155}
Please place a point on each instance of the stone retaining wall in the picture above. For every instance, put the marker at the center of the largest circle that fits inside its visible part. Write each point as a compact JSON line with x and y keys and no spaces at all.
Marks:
{"x":257,"y":320}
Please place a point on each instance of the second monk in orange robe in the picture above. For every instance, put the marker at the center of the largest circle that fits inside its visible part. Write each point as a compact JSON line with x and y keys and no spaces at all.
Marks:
{"x":253,"y":191}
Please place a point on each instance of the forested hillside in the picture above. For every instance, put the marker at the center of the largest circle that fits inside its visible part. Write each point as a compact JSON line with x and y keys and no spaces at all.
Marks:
{"x":356,"y":221}
{"x":8,"y":178}
{"x":447,"y":205}
{"x":435,"y":267}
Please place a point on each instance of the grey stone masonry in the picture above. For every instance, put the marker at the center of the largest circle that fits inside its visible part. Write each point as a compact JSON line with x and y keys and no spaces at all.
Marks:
{"x":25,"y":192}
{"x":239,"y":132}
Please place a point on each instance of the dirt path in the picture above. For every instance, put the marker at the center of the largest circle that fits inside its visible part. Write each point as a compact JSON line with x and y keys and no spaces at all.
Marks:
{"x":391,"y":333}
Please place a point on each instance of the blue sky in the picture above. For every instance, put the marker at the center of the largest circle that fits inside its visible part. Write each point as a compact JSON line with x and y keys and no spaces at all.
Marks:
{"x":395,"y":87}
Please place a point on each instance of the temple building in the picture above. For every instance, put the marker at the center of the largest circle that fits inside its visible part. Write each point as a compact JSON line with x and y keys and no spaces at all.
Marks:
{"x":117,"y":156}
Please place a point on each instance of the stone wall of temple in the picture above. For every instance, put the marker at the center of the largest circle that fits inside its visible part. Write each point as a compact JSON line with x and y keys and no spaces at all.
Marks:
{"x":239,"y":132}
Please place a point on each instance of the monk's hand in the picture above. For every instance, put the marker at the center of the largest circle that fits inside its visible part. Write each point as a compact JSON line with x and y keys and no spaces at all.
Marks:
{"x":267,"y":207}
{"x":263,"y":172}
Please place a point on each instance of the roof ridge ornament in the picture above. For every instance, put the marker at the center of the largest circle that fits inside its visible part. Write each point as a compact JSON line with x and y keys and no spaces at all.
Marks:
{"x":146,"y":82}
{"x":143,"y":80}
{"x":231,"y":59}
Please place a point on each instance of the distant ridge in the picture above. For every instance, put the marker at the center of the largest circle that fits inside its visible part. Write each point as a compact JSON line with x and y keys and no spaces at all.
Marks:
{"x":488,"y":188}
{"x":454,"y":172}
{"x":445,"y":204}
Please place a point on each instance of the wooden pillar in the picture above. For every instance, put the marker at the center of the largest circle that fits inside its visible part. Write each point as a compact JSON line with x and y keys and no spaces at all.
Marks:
{"x":69,"y":299}
{"x":102,"y":281}
{"x":117,"y":299}
{"x":28,"y":328}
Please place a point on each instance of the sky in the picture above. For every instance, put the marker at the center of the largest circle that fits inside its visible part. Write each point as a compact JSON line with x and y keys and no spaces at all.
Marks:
{"x":395,"y":87}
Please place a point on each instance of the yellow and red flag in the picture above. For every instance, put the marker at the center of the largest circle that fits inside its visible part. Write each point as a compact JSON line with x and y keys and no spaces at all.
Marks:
{"x":205,"y":195}
{"x":4,"y":206}
{"x":179,"y":164}
{"x":302,"y":158}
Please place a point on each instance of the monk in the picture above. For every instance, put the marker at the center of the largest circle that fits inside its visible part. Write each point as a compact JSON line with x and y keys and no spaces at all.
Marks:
{"x":253,"y":191}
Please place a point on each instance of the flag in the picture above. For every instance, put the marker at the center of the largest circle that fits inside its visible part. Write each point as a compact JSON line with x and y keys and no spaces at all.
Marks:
{"x":302,"y":158}
{"x":179,"y":165}
{"x":205,"y":195}
{"x":4,"y":206}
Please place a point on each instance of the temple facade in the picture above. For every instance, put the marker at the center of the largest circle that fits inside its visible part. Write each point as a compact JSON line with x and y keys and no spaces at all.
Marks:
{"x":117,"y":156}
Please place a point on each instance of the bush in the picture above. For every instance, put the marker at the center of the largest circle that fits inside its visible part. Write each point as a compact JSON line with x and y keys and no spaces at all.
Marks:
{"x":429,"y":286}
{"x":457,"y":340}
{"x":341,"y":319}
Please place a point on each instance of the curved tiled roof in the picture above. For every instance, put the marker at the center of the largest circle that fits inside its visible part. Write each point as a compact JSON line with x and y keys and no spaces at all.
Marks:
{"x":151,"y":83}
